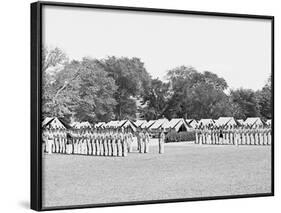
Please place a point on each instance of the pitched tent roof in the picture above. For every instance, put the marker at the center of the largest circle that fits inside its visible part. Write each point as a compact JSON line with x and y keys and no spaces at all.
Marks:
{"x":139,"y":123}
{"x":176,"y":123}
{"x":253,"y":121}
{"x":240,"y":121}
{"x":158,"y":123}
{"x":53,"y":123}
{"x":122,"y":123}
{"x":191,"y":122}
{"x":143,"y":124}
{"x":99,"y":124}
{"x":148,"y":124}
{"x":112,"y":124}
{"x":225,"y":121}
{"x":206,"y":122}
{"x":47,"y":120}
{"x":84,"y":124}
{"x":127,"y":123}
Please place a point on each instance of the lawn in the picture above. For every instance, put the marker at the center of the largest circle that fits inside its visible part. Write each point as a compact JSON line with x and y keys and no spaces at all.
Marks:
{"x":184,"y":171}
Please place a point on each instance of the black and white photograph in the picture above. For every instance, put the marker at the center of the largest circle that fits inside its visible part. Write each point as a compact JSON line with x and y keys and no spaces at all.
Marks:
{"x":145,"y":106}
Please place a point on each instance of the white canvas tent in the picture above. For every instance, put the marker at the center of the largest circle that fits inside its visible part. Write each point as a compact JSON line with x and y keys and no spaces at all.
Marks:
{"x":253,"y":121}
{"x":206,"y":122}
{"x":126,"y":124}
{"x":54,"y":123}
{"x":225,"y":121}
{"x":139,"y":123}
{"x":177,"y":124}
{"x":240,"y":121}
{"x":113,"y":124}
{"x":158,"y":124}
{"x":80,"y":125}
{"x":192,"y":122}
{"x":268,"y":122}
{"x":99,"y":124}
{"x":121,"y":124}
{"x":148,"y":124}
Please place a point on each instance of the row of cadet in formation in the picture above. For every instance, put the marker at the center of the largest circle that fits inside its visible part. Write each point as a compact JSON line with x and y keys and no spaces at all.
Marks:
{"x":234,"y":135}
{"x":103,"y":142}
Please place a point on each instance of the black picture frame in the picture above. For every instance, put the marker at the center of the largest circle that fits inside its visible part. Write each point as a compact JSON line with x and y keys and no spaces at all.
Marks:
{"x":36,"y":151}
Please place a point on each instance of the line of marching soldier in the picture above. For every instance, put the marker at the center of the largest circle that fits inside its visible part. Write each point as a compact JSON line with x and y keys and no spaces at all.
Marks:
{"x":233,"y":135}
{"x":99,"y":142}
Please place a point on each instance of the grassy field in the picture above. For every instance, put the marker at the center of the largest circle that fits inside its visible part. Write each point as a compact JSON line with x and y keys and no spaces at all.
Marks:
{"x":184,"y":171}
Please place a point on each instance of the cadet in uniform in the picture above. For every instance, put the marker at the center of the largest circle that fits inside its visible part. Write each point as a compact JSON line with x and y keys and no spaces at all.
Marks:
{"x":138,"y":139}
{"x":200,"y":134}
{"x":256,"y":135}
{"x":57,"y":140}
{"x":231,"y":140}
{"x":98,"y":143}
{"x":269,"y":135}
{"x":59,"y":135}
{"x":44,"y":140}
{"x":94,"y":145}
{"x":247,"y":133}
{"x":130,"y":141}
{"x":196,"y":136}
{"x":68,"y":142}
{"x":261,"y":136}
{"x":252,"y":137}
{"x":141,"y":139}
{"x":50,"y":140}
{"x":82,"y":142}
{"x":161,"y":141}
{"x":108,"y":145}
{"x":220,"y":135}
{"x":146,"y":141}
{"x":64,"y":140}
{"x":124,"y":143}
{"x":118,"y":144}
{"x":216,"y":135}
{"x":113,"y":143}
{"x":209,"y":132}
{"x":88,"y":142}
{"x":265,"y":135}
{"x":204,"y":135}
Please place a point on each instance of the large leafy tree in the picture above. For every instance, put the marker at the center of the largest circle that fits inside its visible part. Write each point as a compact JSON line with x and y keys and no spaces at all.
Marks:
{"x":53,"y":60}
{"x":131,"y":78}
{"x":247,"y":102}
{"x":154,"y":100}
{"x":264,"y":98}
{"x":82,"y":91}
{"x":196,"y":95}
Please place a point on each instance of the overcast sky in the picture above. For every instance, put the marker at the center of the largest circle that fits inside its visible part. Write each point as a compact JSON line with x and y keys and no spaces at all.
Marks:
{"x":236,"y":49}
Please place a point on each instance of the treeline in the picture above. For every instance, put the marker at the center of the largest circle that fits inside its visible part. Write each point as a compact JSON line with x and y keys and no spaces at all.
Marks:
{"x":121,"y":88}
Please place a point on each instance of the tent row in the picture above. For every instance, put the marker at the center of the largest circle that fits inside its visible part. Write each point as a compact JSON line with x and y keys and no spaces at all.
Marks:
{"x":177,"y":124}
{"x":185,"y":124}
{"x":230,"y":121}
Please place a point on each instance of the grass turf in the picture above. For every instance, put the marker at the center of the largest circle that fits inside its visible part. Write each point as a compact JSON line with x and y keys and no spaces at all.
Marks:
{"x":184,"y":171}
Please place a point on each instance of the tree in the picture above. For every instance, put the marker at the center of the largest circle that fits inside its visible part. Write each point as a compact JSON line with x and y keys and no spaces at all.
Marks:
{"x":247,"y":102}
{"x":52,"y":61}
{"x":264,"y":98}
{"x":131,"y":78}
{"x":51,"y":58}
{"x":82,"y":91}
{"x":196,"y":95}
{"x":154,"y":100}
